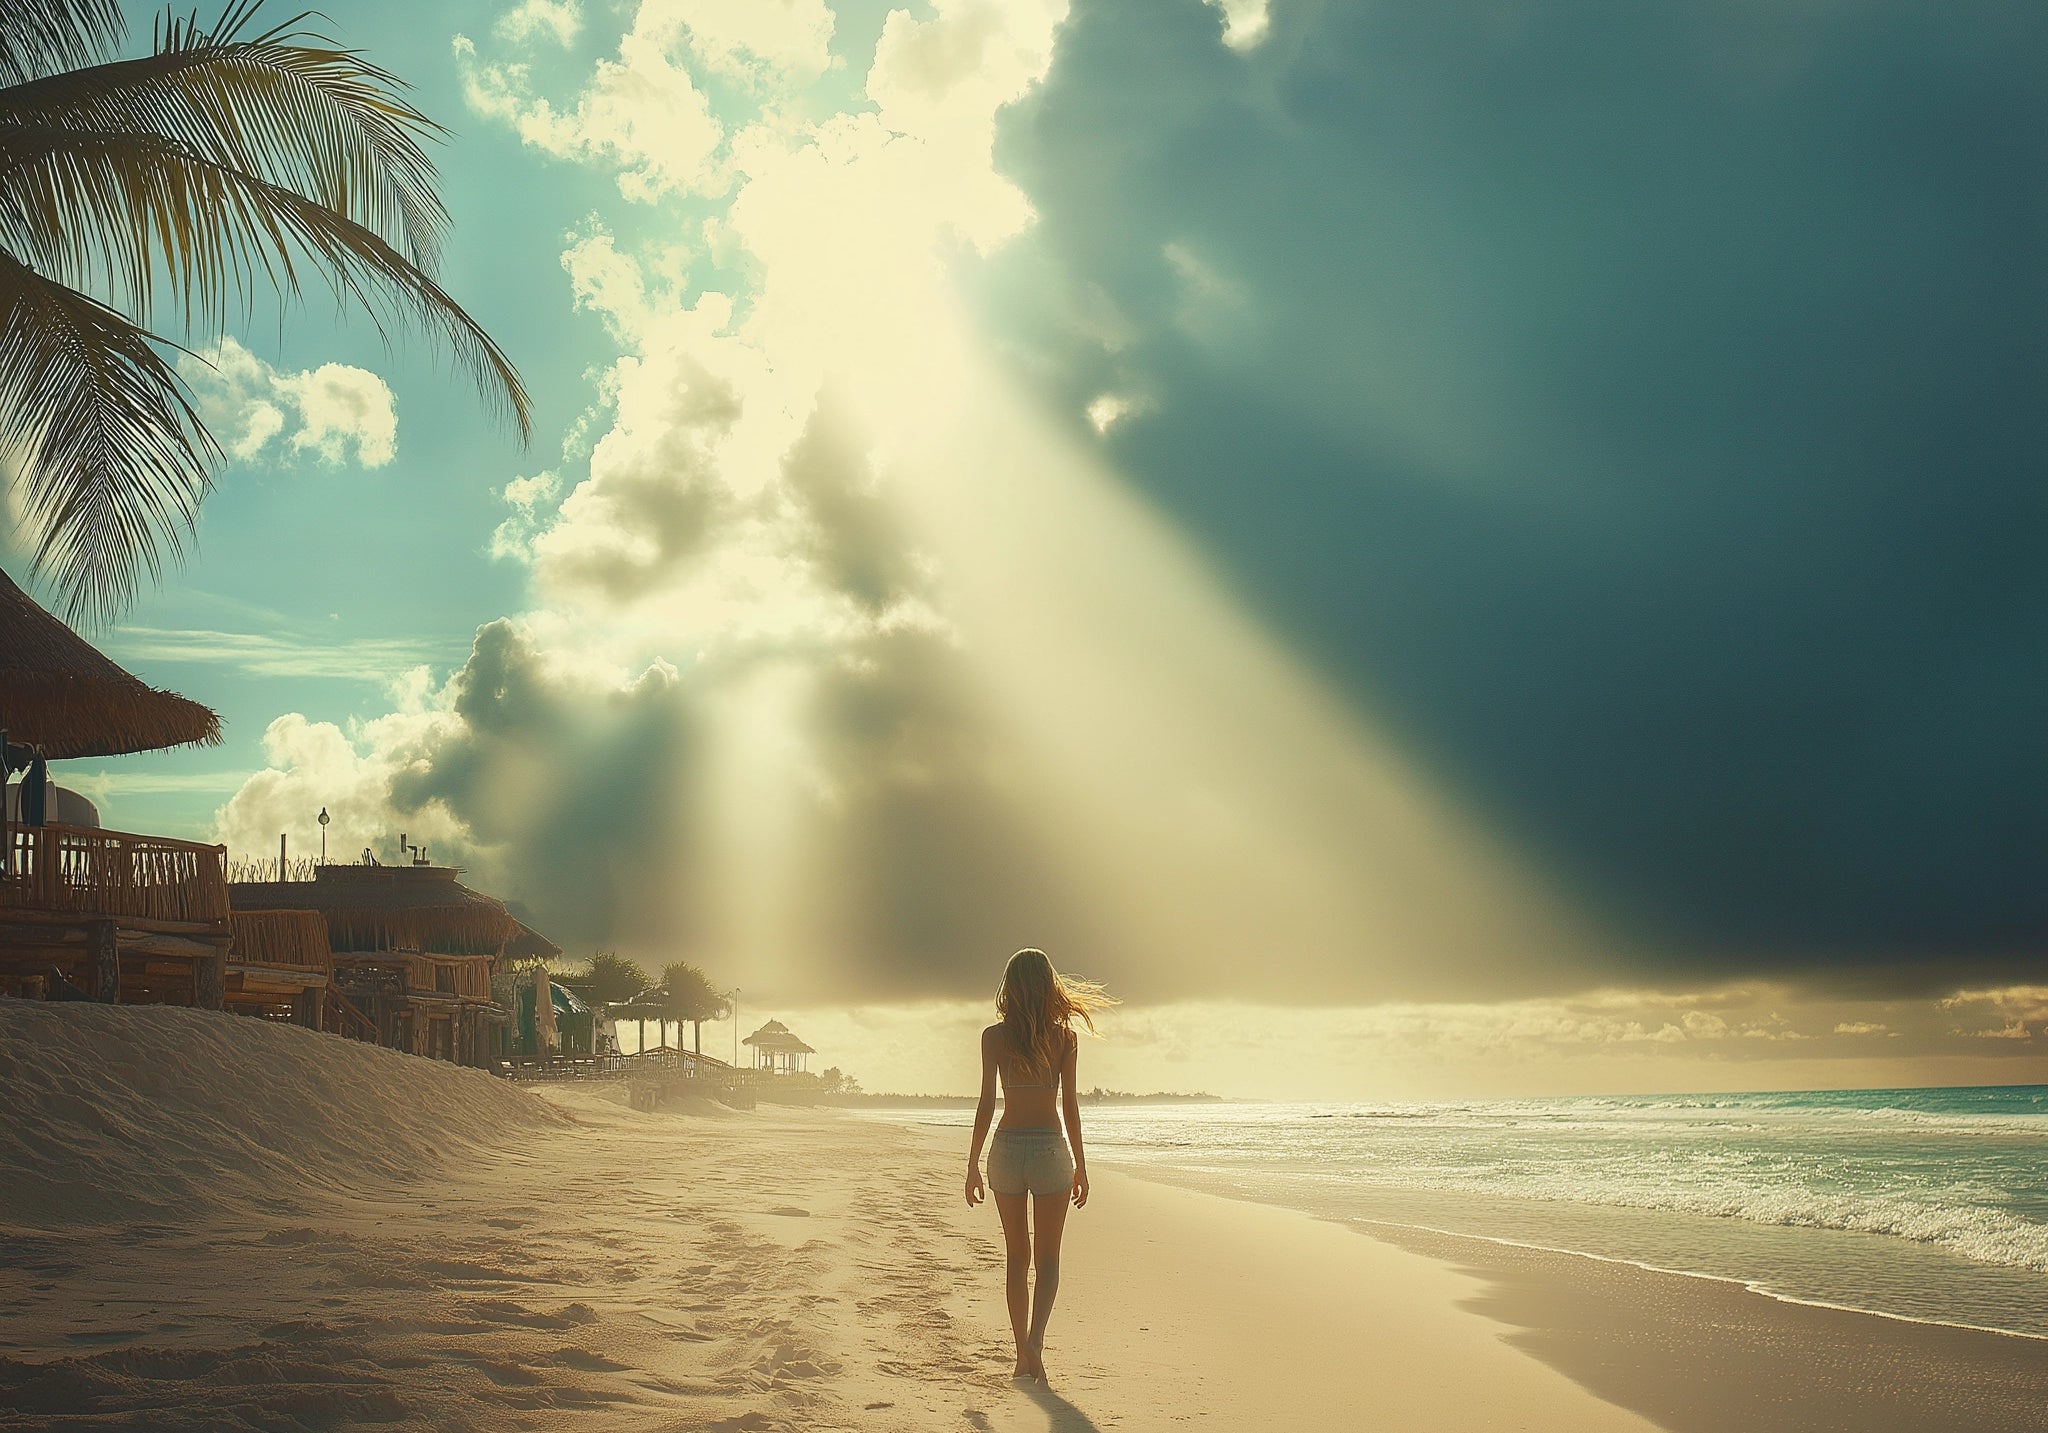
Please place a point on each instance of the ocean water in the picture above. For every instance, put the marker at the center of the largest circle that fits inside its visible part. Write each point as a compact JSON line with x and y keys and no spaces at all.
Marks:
{"x":1920,"y":1204}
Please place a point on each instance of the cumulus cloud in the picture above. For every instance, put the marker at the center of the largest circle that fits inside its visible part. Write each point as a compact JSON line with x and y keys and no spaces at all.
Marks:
{"x":559,"y":20}
{"x":335,"y":412}
{"x":1245,"y":22}
{"x":778,"y":41}
{"x":529,"y":498}
{"x":639,"y":113}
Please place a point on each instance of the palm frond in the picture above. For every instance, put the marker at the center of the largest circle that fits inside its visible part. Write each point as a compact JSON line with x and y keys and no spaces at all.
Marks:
{"x":110,"y":458}
{"x":314,"y":118}
{"x":132,"y":208}
{"x":39,"y":37}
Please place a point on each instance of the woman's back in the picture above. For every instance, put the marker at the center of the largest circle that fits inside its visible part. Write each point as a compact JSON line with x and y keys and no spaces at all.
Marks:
{"x":1030,"y":1096}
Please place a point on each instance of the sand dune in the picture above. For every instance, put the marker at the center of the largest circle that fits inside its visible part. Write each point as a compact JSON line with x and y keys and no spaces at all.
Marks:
{"x":122,"y":1113}
{"x":213,"y":1224}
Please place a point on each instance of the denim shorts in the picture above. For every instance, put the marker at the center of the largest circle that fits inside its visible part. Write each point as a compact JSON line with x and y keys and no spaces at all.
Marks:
{"x":1033,"y":1161}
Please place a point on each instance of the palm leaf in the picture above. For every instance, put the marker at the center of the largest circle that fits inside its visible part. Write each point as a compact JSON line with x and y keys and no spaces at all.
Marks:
{"x":130,"y":206}
{"x":314,"y":118}
{"x":109,"y":457}
{"x":38,"y":37}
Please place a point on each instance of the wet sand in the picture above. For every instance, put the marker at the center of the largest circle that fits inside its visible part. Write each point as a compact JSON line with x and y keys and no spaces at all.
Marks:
{"x":1706,"y":1356}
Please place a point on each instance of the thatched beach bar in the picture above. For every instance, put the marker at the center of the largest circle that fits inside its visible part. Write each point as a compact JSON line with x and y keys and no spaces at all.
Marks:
{"x":413,"y":953}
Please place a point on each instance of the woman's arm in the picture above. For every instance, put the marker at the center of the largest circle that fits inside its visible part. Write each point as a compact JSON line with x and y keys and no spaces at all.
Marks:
{"x":984,"y":1112}
{"x":1070,"y":1110}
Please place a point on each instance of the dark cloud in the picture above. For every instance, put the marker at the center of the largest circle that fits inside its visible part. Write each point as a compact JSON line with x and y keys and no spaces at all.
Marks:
{"x":1636,"y":408}
{"x":931,"y":860}
{"x":851,"y":535}
{"x":576,"y":803}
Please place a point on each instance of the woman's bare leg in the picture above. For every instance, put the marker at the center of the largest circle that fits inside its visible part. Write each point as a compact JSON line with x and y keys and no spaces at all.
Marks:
{"x":1016,"y":1273}
{"x":1049,"y":1215}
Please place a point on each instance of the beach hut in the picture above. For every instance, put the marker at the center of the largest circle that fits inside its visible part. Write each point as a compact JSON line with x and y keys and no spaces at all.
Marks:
{"x":414,"y":952}
{"x":112,"y":914}
{"x":777,"y":1051}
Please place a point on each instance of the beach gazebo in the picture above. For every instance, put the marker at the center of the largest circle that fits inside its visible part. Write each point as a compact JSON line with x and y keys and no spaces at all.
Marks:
{"x":779,"y":1052}
{"x":414,"y":952}
{"x":114,"y":914}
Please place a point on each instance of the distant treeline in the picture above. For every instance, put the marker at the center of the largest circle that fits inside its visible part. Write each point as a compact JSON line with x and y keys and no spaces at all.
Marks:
{"x":1096,"y":1096}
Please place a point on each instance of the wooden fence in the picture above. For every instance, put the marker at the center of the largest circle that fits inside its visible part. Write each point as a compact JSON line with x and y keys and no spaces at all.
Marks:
{"x":288,"y":940}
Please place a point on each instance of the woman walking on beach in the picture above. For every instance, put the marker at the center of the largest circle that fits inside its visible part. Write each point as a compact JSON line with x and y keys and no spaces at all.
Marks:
{"x":1033,"y":1049}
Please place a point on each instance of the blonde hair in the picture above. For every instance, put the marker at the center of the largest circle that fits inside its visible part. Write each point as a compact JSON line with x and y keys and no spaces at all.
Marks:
{"x":1038,"y":1006}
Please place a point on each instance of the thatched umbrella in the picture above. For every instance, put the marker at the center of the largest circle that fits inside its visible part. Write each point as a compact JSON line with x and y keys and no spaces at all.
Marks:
{"x":59,"y":693}
{"x":529,"y":944}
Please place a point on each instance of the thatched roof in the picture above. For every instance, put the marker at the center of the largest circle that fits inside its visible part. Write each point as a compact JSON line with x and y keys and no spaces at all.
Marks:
{"x":60,"y":693}
{"x":530,"y":944}
{"x":775,"y":1038}
{"x":389,"y":908}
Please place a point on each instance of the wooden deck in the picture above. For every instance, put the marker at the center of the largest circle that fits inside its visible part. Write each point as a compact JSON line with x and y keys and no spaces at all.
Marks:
{"x":85,"y":871}
{"x":119,"y":915}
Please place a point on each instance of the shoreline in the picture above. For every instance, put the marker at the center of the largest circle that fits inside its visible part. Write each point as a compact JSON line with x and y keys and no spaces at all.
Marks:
{"x":1750,"y":1286}
{"x":1706,"y":1353}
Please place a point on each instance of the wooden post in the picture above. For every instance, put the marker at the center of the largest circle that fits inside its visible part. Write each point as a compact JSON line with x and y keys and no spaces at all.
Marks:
{"x":306,"y":1008}
{"x":209,"y":981}
{"x":280,"y":855}
{"x":103,"y":960}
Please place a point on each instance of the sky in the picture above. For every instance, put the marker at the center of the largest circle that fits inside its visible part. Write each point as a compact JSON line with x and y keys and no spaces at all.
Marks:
{"x":1472,"y":548}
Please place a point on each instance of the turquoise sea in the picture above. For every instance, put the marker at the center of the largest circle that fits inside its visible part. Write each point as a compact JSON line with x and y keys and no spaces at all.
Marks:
{"x":1927,"y":1204}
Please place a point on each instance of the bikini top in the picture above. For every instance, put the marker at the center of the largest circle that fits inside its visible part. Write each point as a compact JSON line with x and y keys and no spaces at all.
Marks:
{"x":1052,"y":1084}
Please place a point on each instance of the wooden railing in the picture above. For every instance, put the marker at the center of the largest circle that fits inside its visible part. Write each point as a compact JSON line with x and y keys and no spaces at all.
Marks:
{"x":294,"y":940}
{"x":80,"y":870}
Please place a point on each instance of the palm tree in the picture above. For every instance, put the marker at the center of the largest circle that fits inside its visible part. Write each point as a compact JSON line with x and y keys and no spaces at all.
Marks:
{"x":689,"y":996}
{"x":229,"y":161}
{"x":614,"y":979}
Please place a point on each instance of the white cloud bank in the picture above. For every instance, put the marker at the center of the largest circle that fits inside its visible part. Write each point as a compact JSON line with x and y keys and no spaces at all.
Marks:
{"x":335,"y":413}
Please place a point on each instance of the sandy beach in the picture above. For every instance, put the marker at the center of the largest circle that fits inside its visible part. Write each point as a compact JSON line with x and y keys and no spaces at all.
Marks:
{"x":216,"y":1223}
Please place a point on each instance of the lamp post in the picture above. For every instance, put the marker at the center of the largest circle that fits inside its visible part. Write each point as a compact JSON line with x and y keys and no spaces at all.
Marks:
{"x":323,"y":835}
{"x":735,"y":1027}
